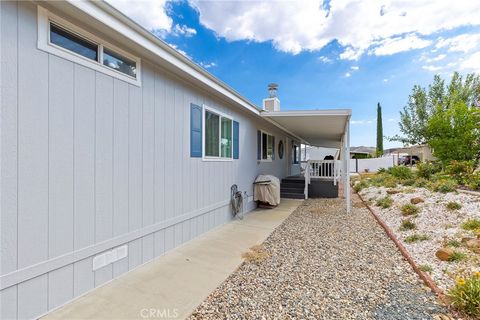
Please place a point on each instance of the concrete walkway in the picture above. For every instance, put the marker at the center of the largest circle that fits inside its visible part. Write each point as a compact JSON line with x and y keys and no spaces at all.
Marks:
{"x":175,"y":284}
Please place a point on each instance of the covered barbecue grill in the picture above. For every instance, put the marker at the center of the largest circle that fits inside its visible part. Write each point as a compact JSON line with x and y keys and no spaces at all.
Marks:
{"x":267,"y":190}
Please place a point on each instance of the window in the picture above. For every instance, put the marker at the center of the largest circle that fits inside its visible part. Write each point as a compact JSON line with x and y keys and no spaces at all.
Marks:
{"x":218,"y":135}
{"x":72,"y":42}
{"x":116,"y":61}
{"x":64,"y":39}
{"x":296,"y":154}
{"x":267,"y":146}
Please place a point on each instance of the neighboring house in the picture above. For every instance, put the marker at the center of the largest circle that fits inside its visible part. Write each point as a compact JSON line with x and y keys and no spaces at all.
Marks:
{"x":362,"y":152}
{"x":115,"y":148}
{"x":423,"y":152}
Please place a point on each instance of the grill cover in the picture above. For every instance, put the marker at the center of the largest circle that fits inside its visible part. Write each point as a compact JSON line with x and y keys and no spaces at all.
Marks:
{"x":267,"y":189}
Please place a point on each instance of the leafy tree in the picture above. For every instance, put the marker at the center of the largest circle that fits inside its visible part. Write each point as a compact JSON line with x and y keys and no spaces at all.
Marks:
{"x":424,"y":103}
{"x":454,"y":132}
{"x":379,"y":131}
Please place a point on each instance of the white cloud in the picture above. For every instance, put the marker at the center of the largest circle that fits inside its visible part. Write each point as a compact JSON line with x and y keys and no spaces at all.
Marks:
{"x":183,"y":30}
{"x":348,"y":75}
{"x":385,"y":80}
{"x":325,"y":59}
{"x":355,"y":68}
{"x":295,"y":26}
{"x":399,"y":44}
{"x":432,"y":68}
{"x":183,"y":52}
{"x":208,"y":65}
{"x":151,"y":14}
{"x":472,"y":63}
{"x":462,"y":43}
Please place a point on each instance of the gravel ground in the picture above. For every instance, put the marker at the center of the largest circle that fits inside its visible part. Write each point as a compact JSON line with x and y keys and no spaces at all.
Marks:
{"x":324,"y":264}
{"x":435,"y":221}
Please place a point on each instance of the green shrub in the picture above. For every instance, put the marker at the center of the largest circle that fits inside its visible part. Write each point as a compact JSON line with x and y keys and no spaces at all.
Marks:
{"x":385,"y":202}
{"x":390,"y":182}
{"x":362,"y":184}
{"x":401,"y":172}
{"x":408,"y":182}
{"x":452,"y":205}
{"x":407,"y":225}
{"x":425,"y":268}
{"x":409,"y":209}
{"x":472,"y":224}
{"x":416,"y":238}
{"x":460,"y":170}
{"x":425,"y":170}
{"x":465,"y":295}
{"x":444,"y":185}
{"x":382,"y":170}
{"x":457,"y":256}
{"x":422,"y":183}
{"x":473,"y":181}
{"x":454,"y":243}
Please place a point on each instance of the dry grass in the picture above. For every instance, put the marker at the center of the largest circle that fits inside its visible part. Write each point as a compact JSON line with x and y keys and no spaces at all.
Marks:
{"x":256,"y":254}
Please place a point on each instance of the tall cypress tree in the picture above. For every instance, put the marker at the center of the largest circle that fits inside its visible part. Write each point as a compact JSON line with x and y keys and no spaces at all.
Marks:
{"x":379,"y":131}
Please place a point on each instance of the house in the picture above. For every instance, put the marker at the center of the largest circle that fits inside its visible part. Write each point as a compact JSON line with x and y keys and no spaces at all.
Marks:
{"x":422,"y":151}
{"x":115,"y":148}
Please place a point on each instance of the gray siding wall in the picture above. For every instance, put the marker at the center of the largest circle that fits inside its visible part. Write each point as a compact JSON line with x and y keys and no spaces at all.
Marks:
{"x":89,"y":162}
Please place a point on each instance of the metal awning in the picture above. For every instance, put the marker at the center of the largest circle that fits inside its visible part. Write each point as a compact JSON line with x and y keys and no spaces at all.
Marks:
{"x":321,"y":128}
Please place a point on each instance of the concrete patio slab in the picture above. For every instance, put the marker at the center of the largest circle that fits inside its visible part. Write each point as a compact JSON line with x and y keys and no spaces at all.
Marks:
{"x":174,"y":284}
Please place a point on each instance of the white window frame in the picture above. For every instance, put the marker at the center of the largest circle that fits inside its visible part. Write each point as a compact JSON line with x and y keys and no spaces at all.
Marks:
{"x":45,"y":17}
{"x":221,"y":115}
{"x":261,"y":146}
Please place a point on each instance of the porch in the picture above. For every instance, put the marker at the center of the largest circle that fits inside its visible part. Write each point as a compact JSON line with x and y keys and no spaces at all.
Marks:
{"x":319,"y":128}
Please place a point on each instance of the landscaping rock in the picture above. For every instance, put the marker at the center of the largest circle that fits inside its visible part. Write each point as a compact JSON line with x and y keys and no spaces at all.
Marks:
{"x":473,"y":245}
{"x":323,"y":264}
{"x":416,"y":200}
{"x":444,"y":254}
{"x":393,"y":191}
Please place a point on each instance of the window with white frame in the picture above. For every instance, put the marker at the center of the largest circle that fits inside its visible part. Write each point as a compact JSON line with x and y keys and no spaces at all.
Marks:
{"x":62,"y":38}
{"x":218,"y":130}
{"x":267,"y":146}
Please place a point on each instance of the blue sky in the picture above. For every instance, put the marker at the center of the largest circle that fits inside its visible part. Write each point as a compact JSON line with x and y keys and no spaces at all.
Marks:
{"x":323,"y":54}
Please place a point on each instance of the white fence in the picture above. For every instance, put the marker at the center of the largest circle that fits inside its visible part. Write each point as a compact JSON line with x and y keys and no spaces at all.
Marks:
{"x":372,"y":164}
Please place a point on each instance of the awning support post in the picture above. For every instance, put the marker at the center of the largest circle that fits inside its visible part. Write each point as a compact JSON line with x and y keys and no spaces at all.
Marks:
{"x":346,"y":166}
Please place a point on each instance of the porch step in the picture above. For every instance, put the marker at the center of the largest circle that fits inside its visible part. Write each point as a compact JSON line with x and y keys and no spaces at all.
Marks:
{"x":291,"y":190}
{"x":293,"y":181}
{"x":292,"y":185}
{"x":292,"y":195}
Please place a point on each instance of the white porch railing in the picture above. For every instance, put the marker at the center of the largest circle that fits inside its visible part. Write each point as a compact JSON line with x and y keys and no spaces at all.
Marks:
{"x":326,"y":169}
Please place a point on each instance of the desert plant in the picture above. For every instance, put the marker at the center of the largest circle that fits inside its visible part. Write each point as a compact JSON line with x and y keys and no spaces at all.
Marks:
{"x":460,"y":170}
{"x":472,"y":224}
{"x":385,"y":202}
{"x":401,"y":172}
{"x":416,"y":238}
{"x":473,"y":181}
{"x":454,"y":243}
{"x":425,"y":268}
{"x":409,"y":209}
{"x":360,"y":185}
{"x":465,"y":295}
{"x":381,"y":170}
{"x":452,"y":205}
{"x":444,"y":186}
{"x":407,"y":225}
{"x":457,"y":256}
{"x":425,"y":170}
{"x":422,"y":183}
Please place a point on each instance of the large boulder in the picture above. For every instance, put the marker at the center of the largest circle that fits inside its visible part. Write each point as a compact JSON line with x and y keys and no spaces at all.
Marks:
{"x":444,"y":254}
{"x":416,"y":200}
{"x":473,"y":245}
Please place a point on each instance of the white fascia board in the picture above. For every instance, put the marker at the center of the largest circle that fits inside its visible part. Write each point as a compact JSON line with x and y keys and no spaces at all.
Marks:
{"x":308,"y":113}
{"x":105,"y":13}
